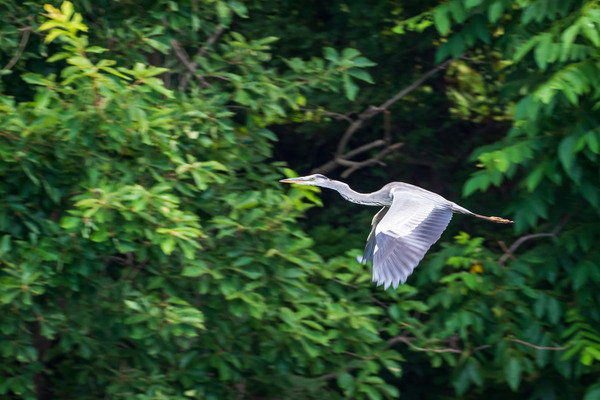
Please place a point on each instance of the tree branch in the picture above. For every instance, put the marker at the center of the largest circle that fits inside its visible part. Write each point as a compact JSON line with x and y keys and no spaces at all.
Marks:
{"x":192,"y":65}
{"x":211,"y":41}
{"x":22,"y":44}
{"x":183,"y":57}
{"x":371,"y":111}
{"x":341,"y":157}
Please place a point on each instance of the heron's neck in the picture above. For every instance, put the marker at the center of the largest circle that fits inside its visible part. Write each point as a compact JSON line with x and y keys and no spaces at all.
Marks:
{"x":367,"y":199}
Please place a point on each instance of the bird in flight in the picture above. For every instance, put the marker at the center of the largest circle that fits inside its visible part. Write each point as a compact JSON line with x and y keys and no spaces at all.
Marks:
{"x":411,"y":220}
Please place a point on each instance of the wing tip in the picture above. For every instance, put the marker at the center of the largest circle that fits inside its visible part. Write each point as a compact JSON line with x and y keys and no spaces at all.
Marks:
{"x":394,"y":282}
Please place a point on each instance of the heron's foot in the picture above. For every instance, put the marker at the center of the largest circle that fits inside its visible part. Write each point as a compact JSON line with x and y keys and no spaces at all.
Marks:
{"x":501,"y":220}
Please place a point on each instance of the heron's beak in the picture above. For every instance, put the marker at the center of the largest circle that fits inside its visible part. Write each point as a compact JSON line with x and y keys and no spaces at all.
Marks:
{"x":299,"y":181}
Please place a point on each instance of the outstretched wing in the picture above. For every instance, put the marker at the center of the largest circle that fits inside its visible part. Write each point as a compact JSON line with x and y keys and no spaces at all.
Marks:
{"x":403,"y":236}
{"x":370,"y":247}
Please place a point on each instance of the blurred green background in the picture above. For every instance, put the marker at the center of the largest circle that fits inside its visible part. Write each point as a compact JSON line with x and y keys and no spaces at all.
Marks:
{"x":148,"y":251}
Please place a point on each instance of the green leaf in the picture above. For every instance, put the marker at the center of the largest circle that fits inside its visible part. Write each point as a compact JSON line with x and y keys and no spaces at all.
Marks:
{"x":441,"y":19}
{"x":100,"y":236}
{"x":474,"y":370}
{"x":5,"y":244}
{"x":566,"y":151}
{"x":593,"y":140}
{"x":526,"y":48}
{"x":542,"y":51}
{"x":53,"y":35}
{"x":568,"y":38}
{"x":554,"y":310}
{"x":479,"y":181}
{"x":394,"y":312}
{"x":133,"y":305}
{"x":69,"y":222}
{"x":350,"y":87}
{"x":457,"y":10}
{"x":370,"y":391}
{"x":331,"y":54}
{"x":345,"y":381}
{"x":223,"y":12}
{"x":349,"y":54}
{"x":157,"y":85}
{"x":472,"y":3}
{"x":513,"y":371}
{"x":363,"y":62}
{"x":389,"y":390}
{"x":194,"y":270}
{"x":590,"y":31}
{"x":495,"y":11}
{"x":34,"y":79}
{"x":167,"y":245}
{"x":592,"y":394}
{"x":239,"y":8}
{"x":360,"y":74}
{"x":67,"y":9}
{"x":534,"y":178}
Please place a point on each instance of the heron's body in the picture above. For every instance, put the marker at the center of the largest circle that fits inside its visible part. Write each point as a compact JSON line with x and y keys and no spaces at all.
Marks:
{"x":411,"y":220}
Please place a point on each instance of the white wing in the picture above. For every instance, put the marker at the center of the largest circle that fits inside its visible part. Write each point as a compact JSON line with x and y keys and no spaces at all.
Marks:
{"x":370,"y":247}
{"x":404,"y":234}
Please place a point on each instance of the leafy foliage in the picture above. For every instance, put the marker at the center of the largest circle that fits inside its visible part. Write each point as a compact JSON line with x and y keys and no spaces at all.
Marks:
{"x":147,"y":250}
{"x":545,"y":54}
{"x":140,"y":238}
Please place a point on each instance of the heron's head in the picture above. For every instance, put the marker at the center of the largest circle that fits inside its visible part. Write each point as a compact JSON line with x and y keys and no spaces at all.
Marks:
{"x":314,"y":180}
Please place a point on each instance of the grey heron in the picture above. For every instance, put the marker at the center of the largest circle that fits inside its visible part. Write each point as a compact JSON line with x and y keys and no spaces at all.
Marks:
{"x":411,"y":220}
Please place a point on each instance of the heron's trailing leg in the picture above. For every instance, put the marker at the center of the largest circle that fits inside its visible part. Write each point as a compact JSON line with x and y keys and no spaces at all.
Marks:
{"x":495,"y":219}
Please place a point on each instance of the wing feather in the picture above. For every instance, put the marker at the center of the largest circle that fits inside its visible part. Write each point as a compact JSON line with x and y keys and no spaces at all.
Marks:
{"x":370,"y":247}
{"x":403,"y":235}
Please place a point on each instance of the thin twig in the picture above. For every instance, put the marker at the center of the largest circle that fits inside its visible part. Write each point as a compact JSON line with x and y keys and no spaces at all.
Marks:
{"x":482,"y":347}
{"x":387,"y":127}
{"x":365,"y":147}
{"x":9,"y":135}
{"x":349,"y":171}
{"x":538,"y":347}
{"x":407,"y":341}
{"x":509,"y":253}
{"x":373,"y":160}
{"x":333,"y":375}
{"x":22,"y":44}
{"x":332,"y":164}
{"x":354,"y":126}
{"x":415,"y":84}
{"x":343,"y":283}
{"x":359,"y":356}
{"x":348,"y":163}
{"x":192,"y":65}
{"x":332,"y":114}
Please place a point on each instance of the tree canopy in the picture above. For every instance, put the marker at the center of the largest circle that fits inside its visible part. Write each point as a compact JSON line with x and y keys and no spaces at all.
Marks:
{"x":147,"y":250}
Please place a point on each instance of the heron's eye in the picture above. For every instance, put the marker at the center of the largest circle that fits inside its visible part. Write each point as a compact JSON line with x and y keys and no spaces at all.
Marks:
{"x":312,"y":179}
